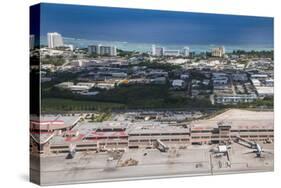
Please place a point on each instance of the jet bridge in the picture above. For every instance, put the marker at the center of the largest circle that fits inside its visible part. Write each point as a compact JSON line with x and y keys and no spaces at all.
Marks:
{"x":244,"y":142}
{"x":161,"y":146}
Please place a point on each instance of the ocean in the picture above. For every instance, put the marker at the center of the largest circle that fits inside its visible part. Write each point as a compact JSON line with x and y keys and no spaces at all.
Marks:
{"x":146,"y":47}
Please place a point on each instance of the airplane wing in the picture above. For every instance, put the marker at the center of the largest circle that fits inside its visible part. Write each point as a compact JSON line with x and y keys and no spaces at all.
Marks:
{"x":267,"y":151}
{"x":250,"y":152}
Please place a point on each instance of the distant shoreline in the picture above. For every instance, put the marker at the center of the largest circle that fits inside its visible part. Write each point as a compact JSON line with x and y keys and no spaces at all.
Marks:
{"x":146,"y":47}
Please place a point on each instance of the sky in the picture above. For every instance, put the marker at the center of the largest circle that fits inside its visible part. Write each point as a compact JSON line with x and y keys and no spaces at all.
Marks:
{"x":152,"y":26}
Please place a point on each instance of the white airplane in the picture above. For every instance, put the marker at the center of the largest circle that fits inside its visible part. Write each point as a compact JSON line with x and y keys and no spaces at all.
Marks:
{"x":72,"y":151}
{"x":258,"y":150}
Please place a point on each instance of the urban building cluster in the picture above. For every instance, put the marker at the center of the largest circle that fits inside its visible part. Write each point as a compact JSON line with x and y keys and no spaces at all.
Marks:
{"x":223,"y":78}
{"x":222,"y":86}
{"x":185,"y":52}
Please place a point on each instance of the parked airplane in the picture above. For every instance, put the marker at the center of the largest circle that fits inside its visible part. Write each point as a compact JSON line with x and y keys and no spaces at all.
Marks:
{"x":258,"y":150}
{"x":72,"y":151}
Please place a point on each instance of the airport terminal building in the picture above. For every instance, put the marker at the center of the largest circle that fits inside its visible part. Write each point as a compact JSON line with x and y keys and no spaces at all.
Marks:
{"x":55,"y":134}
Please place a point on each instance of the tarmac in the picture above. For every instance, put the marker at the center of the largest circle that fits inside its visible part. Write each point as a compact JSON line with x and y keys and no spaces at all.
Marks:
{"x":151,"y":163}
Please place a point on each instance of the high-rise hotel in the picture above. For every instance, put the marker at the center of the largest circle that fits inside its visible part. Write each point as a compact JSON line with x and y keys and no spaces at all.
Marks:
{"x":54,"y":40}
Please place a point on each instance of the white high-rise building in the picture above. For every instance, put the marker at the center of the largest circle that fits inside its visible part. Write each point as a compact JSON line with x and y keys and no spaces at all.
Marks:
{"x":94,"y":49}
{"x":108,"y":50}
{"x":185,"y":51}
{"x":102,"y":50}
{"x":54,"y":40}
{"x":153,"y":50}
{"x":218,"y":52}
{"x":157,"y":51}
{"x":31,"y":42}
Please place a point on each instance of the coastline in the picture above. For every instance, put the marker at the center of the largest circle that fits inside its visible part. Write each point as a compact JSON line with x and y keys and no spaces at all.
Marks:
{"x":146,"y":47}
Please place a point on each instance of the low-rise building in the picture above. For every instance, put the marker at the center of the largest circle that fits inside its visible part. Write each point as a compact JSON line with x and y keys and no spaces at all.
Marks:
{"x":119,"y":74}
{"x":259,"y":76}
{"x":65,"y":85}
{"x":178,"y":84}
{"x":104,"y":85}
{"x":184,"y":76}
{"x":234,"y":98}
{"x":168,"y":52}
{"x":79,"y":87}
{"x":264,"y":91}
{"x":158,"y":80}
{"x":161,"y":51}
{"x":219,"y":78}
{"x":269,"y":82}
{"x":239,"y":77}
{"x":256,"y":82}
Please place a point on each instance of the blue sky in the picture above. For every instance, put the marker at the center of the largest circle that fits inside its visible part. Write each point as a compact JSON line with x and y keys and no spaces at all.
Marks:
{"x":152,"y":26}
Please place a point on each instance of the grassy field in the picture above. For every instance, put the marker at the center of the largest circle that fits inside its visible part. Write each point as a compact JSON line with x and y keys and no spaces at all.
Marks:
{"x":61,"y":105}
